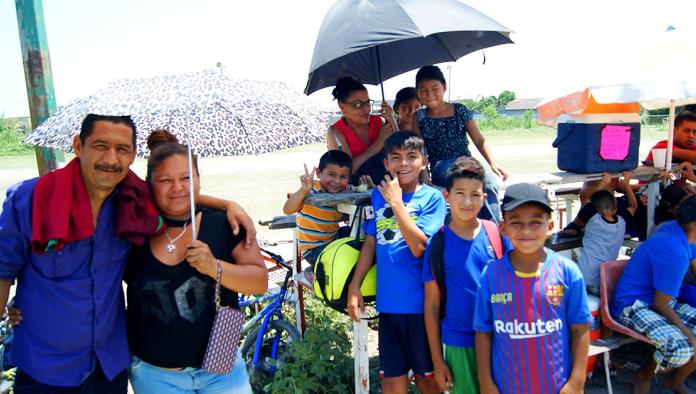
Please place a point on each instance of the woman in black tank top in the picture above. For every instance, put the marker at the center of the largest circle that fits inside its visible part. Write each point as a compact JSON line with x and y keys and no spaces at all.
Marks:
{"x":171,"y":282}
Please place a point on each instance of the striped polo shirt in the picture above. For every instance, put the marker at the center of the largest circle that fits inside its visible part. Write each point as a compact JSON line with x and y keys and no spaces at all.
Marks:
{"x":316,"y":225}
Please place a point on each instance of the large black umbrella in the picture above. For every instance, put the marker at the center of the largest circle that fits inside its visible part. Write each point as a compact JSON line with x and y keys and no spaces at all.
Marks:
{"x":373,"y":40}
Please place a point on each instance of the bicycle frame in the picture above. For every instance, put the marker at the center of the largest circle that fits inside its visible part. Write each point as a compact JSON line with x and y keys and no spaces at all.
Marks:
{"x":270,"y":311}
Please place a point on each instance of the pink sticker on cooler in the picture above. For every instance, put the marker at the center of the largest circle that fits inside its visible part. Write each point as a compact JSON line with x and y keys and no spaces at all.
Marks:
{"x":615,"y":142}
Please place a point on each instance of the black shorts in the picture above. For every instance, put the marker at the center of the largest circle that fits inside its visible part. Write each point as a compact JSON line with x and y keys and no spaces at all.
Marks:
{"x":403,"y":345}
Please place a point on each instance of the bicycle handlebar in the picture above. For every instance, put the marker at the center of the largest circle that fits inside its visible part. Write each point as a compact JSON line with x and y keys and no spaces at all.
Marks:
{"x":277,"y":258}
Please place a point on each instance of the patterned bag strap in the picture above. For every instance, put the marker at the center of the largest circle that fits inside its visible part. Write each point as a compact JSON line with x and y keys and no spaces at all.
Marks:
{"x":217,"y":284}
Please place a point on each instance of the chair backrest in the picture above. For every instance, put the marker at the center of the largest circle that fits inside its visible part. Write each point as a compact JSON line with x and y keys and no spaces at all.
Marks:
{"x":609,"y":274}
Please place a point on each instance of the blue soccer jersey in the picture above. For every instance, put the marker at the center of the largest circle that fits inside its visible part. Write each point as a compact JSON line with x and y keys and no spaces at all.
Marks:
{"x":463,"y":261}
{"x":399,"y":272}
{"x":529,"y":316}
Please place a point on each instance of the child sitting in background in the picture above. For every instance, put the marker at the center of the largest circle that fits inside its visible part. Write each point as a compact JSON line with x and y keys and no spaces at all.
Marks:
{"x":577,"y":226}
{"x":406,"y":104}
{"x":604,"y":232}
{"x":317,"y":226}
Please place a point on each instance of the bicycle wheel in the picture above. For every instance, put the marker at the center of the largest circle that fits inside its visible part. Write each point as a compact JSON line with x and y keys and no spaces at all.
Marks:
{"x":279,"y":334}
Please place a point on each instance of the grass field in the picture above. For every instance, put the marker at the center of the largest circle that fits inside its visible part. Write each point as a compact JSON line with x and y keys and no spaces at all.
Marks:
{"x":260,"y":183}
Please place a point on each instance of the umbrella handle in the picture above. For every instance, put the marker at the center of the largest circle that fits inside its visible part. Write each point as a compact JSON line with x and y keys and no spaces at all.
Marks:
{"x":193,"y":207}
{"x":379,"y":71}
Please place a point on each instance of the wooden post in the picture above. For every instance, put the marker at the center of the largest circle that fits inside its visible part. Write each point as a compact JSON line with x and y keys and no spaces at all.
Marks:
{"x":361,"y":361}
{"x":37,"y":72}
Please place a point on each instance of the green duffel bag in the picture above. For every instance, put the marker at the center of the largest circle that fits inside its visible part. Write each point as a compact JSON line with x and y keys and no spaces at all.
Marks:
{"x":334,"y":271}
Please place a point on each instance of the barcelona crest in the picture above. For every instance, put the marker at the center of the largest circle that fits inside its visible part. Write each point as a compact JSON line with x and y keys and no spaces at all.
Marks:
{"x":554,"y":294}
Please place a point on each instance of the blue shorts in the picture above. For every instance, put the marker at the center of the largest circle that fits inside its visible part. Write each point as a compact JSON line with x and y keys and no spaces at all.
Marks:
{"x":403,"y":345}
{"x":312,"y":255}
{"x":149,"y":379}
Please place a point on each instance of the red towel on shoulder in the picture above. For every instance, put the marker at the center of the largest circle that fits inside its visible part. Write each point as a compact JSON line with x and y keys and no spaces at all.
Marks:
{"x":61,"y":210}
{"x":136,"y":215}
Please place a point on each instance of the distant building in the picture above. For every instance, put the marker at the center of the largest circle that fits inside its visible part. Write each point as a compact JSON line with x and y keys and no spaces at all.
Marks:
{"x":518,"y":107}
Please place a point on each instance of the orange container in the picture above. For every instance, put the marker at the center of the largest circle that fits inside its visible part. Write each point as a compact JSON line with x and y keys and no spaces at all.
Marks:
{"x":595,"y":328}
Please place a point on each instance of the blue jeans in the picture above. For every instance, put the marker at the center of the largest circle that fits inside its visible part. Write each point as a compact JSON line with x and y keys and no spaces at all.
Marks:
{"x":312,"y":255}
{"x":491,"y":207}
{"x":149,"y":379}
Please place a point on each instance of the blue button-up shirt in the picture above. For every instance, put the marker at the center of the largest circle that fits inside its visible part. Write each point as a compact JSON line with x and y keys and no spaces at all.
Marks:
{"x":72,"y":301}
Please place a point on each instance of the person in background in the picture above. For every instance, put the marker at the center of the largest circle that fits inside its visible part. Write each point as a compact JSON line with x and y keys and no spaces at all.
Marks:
{"x":644,"y":300}
{"x":358,"y":133}
{"x":406,"y":104}
{"x":684,"y":147}
{"x":587,"y":210}
{"x":446,"y":129}
{"x":604,"y":232}
{"x":666,"y":212}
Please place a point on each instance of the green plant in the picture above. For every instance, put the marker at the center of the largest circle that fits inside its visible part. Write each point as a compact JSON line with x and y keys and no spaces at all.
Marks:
{"x":11,"y":140}
{"x":493,"y":121}
{"x":505,"y":97}
{"x":322,"y":361}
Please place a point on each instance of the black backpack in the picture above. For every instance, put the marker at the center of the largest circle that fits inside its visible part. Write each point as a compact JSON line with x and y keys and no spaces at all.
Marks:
{"x":437,"y":251}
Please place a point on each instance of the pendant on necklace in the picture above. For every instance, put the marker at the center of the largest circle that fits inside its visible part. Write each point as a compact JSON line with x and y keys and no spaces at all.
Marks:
{"x":171,"y":248}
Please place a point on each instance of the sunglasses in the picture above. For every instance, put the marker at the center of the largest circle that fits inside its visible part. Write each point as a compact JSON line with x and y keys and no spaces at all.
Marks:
{"x":358,"y":104}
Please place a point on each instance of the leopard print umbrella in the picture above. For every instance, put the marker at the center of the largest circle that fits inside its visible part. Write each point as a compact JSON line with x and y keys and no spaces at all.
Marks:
{"x":217,"y":115}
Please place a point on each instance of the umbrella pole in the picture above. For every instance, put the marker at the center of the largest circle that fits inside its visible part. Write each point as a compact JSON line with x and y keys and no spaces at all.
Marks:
{"x":381,"y":84}
{"x":670,"y":137}
{"x":379,"y":72}
{"x":193,"y":207}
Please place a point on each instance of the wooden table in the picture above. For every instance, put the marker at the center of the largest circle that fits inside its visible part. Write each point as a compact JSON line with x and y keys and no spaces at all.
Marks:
{"x":553,"y":181}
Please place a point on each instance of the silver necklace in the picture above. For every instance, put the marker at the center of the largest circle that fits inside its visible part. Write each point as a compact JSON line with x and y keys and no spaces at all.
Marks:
{"x":171,"y":248}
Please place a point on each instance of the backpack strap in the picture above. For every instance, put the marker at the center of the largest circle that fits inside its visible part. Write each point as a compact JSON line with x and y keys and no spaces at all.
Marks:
{"x":494,"y":237}
{"x":437,"y":266}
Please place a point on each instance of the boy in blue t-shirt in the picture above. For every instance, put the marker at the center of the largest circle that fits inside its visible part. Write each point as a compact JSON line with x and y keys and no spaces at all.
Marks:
{"x":531,"y":317}
{"x":406,"y":214}
{"x":644,"y":299}
{"x":466,"y":250}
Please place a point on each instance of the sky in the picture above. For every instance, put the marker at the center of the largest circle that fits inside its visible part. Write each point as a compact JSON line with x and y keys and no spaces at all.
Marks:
{"x":560,"y":46}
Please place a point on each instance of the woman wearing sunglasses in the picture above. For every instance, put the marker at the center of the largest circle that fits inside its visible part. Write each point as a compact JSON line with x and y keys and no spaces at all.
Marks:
{"x":359,"y":133}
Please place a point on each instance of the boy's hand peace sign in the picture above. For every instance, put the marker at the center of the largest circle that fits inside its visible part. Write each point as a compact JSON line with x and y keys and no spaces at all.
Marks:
{"x":307,"y":180}
{"x":390,"y":190}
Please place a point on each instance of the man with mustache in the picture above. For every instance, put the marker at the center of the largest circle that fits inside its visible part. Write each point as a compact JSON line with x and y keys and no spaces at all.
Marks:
{"x":65,"y":237}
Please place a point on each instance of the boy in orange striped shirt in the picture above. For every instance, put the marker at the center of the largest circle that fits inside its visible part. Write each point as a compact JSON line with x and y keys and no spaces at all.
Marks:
{"x":318,"y":225}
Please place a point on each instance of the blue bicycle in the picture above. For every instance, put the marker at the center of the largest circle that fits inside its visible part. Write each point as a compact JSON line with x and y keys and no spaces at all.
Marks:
{"x":267,"y":345}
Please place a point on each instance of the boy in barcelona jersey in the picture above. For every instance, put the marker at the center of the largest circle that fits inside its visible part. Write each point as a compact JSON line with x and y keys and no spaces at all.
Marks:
{"x":531,"y":316}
